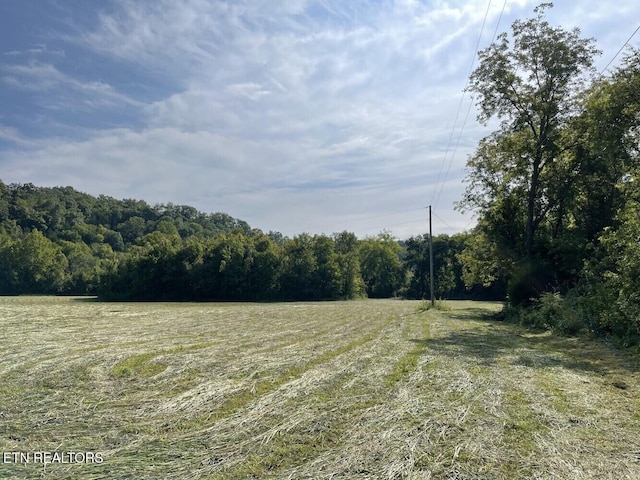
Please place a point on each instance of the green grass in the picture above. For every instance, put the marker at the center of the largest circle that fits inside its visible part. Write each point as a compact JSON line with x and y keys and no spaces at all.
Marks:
{"x":363,"y":389}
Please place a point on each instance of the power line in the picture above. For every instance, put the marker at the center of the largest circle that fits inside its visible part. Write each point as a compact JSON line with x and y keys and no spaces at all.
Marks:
{"x":495,"y":32}
{"x":444,"y":161}
{"x":443,"y":221}
{"x":621,"y":48}
{"x":464,"y":123}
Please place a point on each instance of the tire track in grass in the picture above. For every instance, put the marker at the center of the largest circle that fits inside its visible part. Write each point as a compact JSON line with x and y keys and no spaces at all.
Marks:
{"x":409,"y":361}
{"x":358,"y":450}
{"x":336,"y":405}
{"x":301,"y":437}
{"x":241,"y":399}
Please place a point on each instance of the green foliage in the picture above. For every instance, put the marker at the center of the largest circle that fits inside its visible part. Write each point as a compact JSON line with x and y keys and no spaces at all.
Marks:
{"x":80,"y":239}
{"x":8,"y":272}
{"x":33,"y":264}
{"x":240,"y":267}
{"x":380,"y":266}
{"x":531,"y":82}
{"x":83,"y":267}
{"x":528,"y":281}
{"x":560,"y":314}
{"x":448,"y":252}
{"x":299,"y":268}
{"x":614,"y":289}
{"x":347,"y":251}
{"x":58,"y":240}
{"x":555,"y":187}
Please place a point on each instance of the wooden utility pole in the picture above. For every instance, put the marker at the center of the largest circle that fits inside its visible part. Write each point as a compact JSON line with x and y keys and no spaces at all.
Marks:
{"x":433,"y":301}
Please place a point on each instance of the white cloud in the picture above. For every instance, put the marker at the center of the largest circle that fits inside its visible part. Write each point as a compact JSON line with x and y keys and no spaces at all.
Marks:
{"x":44,"y":78}
{"x":14,"y":136}
{"x":296,"y":116}
{"x":250,"y":90}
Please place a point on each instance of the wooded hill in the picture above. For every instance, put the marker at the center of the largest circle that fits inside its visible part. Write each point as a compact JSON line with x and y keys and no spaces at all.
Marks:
{"x":61,"y":241}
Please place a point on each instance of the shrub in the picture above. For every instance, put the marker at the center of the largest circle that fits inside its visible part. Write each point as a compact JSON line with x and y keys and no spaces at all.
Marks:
{"x":438,"y":305}
{"x":550,"y":311}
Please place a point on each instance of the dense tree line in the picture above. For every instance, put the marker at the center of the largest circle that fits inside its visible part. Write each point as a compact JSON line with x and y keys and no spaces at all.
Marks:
{"x":556,"y":186}
{"x":60,"y":241}
{"x":448,"y":262}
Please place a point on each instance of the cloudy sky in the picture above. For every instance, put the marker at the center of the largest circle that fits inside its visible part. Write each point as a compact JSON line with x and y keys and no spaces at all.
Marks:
{"x":296,"y":116}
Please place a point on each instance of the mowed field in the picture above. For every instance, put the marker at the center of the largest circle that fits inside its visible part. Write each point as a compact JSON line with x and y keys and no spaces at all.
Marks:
{"x":335,"y":390}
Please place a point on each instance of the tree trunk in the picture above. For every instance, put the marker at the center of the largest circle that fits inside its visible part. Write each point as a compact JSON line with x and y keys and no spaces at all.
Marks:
{"x":531,"y":203}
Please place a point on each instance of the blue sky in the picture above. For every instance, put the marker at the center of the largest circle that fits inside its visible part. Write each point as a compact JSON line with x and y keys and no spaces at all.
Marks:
{"x":297,"y":116}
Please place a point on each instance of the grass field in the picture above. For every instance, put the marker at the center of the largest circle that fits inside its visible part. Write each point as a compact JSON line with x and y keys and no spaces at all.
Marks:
{"x":344,"y":390}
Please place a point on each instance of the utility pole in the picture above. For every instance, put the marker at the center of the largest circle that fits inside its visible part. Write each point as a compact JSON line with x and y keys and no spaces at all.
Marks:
{"x":433,"y":301}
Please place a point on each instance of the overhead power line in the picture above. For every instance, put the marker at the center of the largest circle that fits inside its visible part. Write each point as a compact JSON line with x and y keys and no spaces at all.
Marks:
{"x":441,"y":180}
{"x":455,"y":122}
{"x":621,"y":48}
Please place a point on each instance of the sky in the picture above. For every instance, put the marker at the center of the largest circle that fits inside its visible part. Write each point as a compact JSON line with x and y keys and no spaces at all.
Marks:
{"x":295,"y":116}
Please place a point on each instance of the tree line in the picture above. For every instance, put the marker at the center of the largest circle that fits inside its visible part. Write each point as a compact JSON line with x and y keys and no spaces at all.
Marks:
{"x":61,"y":241}
{"x":555,"y":187}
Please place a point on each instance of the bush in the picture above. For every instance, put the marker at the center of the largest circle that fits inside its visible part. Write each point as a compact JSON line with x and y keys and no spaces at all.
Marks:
{"x":438,"y":305}
{"x":610,"y":314}
{"x":529,"y":280}
{"x":549,"y":312}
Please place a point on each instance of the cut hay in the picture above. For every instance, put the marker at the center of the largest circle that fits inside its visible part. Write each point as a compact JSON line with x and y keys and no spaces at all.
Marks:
{"x":336,"y":390}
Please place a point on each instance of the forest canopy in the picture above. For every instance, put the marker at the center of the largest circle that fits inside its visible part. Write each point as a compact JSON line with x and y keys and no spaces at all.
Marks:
{"x":56,"y":240}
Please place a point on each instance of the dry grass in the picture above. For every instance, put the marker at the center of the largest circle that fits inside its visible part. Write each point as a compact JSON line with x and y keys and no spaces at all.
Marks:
{"x":368,"y":389}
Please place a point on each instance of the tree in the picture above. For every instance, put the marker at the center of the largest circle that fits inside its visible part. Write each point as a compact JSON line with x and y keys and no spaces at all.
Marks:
{"x":611,"y":126}
{"x":133,"y":228}
{"x":380,"y":265}
{"x":299,"y":269}
{"x":328,"y":275}
{"x":83,"y":268}
{"x":8,"y":274}
{"x":532,"y":86}
{"x":39,"y":264}
{"x":521,"y":178}
{"x":447,"y":266}
{"x":347,"y":247}
{"x":264,"y":276}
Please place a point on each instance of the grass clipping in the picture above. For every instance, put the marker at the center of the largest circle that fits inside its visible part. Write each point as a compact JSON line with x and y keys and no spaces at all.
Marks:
{"x":367,"y":389}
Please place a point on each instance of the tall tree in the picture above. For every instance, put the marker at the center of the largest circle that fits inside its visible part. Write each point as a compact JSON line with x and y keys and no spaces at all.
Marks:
{"x":39,"y":264}
{"x":299,"y":269}
{"x":530,"y":82}
{"x":380,"y":265}
{"x":347,"y":246}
